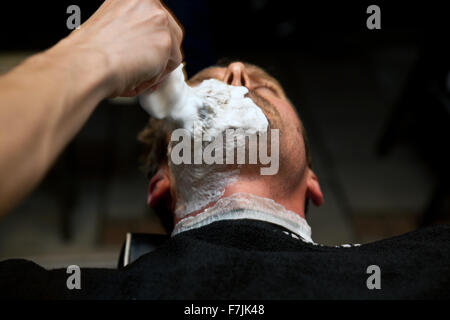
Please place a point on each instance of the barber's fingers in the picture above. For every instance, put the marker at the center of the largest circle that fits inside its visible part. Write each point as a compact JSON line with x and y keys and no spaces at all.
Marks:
{"x":176,"y":27}
{"x":176,"y":55}
{"x":175,"y":59}
{"x":146,"y":86}
{"x":136,"y":91}
{"x":172,"y":64}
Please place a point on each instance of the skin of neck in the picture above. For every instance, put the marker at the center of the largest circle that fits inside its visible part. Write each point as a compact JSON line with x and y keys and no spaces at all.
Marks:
{"x":263,"y":186}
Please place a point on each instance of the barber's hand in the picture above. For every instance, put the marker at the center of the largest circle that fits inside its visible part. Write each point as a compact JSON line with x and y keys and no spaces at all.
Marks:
{"x":139,"y":39}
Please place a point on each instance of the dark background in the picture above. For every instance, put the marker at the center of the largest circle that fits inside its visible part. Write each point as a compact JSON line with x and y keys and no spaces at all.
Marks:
{"x":374,"y":102}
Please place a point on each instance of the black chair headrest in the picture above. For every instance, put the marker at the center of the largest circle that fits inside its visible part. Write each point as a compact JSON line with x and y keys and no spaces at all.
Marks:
{"x":138,"y":244}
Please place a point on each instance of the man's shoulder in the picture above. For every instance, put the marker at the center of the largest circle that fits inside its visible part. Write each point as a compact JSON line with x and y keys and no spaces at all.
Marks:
{"x":241,"y":232}
{"x":437,"y":236}
{"x":20,"y":278}
{"x":176,"y":268}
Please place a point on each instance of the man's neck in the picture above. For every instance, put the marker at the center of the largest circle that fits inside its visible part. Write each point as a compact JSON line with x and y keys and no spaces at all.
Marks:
{"x":247,"y":206}
{"x":294,"y":201}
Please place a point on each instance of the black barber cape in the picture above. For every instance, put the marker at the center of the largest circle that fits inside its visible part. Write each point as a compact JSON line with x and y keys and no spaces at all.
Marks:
{"x":249,"y":259}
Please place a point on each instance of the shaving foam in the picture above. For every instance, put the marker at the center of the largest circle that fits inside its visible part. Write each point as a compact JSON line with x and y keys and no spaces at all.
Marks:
{"x":215,"y":106}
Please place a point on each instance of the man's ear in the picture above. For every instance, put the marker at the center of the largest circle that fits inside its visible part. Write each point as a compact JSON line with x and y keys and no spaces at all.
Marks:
{"x":158,"y":187}
{"x":313,"y":191}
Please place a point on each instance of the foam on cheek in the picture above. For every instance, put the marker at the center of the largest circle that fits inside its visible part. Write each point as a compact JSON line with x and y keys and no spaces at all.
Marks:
{"x":215,"y":106}
{"x":226,"y":106}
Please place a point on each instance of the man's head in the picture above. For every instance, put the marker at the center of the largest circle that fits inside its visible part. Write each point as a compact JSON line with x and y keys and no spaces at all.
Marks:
{"x":291,"y":186}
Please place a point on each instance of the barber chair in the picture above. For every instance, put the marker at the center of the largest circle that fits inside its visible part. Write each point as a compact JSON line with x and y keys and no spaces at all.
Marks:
{"x":138,"y":244}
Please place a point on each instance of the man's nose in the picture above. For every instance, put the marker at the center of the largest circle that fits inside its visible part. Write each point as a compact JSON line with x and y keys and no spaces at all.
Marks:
{"x":236,"y":75}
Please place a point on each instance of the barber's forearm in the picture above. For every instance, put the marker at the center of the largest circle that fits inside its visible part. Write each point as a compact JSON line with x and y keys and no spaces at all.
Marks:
{"x":125,"y":47}
{"x":43,"y":103}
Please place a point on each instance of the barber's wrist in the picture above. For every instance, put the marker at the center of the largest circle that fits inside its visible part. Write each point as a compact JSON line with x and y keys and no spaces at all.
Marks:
{"x":86,"y":67}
